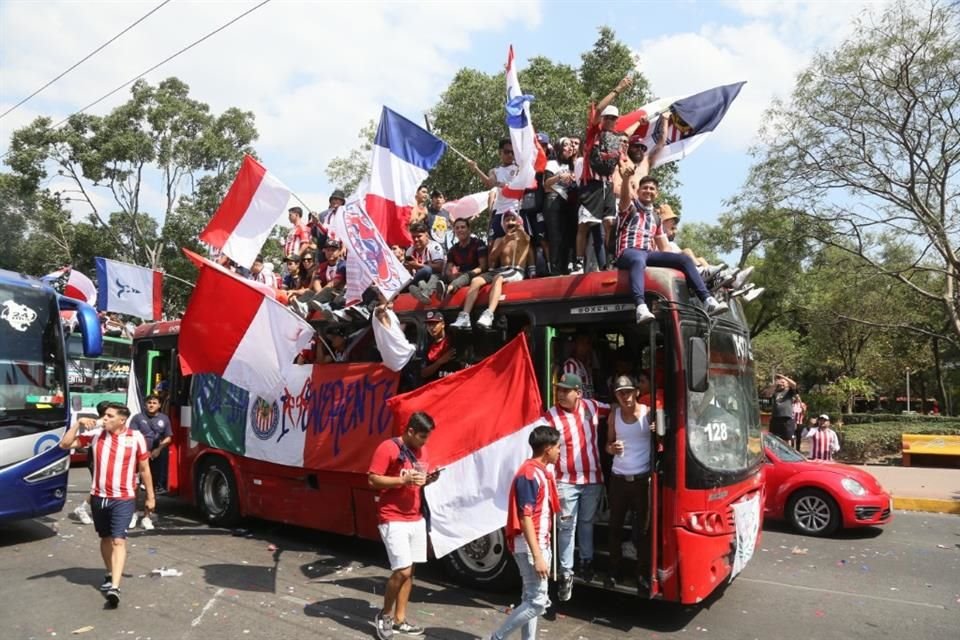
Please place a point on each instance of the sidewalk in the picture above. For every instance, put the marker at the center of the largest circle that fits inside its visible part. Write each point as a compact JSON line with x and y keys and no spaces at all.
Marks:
{"x":920,"y":488}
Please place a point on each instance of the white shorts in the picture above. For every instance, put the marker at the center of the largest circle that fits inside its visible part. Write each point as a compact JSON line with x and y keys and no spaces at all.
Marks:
{"x":585,"y":217}
{"x":406,"y":542}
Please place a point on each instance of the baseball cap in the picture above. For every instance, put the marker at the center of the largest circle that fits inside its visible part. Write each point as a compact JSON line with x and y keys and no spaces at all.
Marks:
{"x":824,"y":416}
{"x":666,"y":212}
{"x":434,"y":316}
{"x":510,"y":212}
{"x":610,"y":110}
{"x":543,"y":138}
{"x":570,"y":381}
{"x":332,"y":244}
{"x":293,"y":257}
{"x":623,"y":382}
{"x":338,"y":193}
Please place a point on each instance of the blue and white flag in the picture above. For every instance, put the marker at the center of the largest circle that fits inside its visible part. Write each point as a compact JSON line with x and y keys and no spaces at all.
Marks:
{"x":127,"y":288}
{"x":522,"y":136}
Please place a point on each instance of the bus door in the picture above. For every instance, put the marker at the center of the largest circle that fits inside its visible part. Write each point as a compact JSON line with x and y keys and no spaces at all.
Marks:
{"x":158,"y":372}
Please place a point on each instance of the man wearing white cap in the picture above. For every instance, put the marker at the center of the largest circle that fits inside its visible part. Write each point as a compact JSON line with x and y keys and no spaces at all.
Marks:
{"x":601,"y":153}
{"x":823,"y":440}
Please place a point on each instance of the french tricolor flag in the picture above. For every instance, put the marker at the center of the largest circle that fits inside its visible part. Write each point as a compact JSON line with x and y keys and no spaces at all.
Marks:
{"x":255,"y":203}
{"x":480,"y":445}
{"x":233,"y":329}
{"x":403,"y":154}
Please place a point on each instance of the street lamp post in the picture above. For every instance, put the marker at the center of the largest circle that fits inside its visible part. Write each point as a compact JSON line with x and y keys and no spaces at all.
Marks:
{"x":908,"y":390}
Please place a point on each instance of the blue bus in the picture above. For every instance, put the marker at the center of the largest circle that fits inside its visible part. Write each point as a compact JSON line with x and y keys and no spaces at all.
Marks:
{"x":34,"y":395}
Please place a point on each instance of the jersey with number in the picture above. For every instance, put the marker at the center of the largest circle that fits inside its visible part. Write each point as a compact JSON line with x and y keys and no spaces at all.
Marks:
{"x":574,"y":366}
{"x":579,"y":461}
{"x":115,"y":459}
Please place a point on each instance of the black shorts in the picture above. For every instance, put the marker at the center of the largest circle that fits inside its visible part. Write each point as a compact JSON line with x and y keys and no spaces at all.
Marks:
{"x":783,"y":428}
{"x":111,"y":517}
{"x":598,"y":198}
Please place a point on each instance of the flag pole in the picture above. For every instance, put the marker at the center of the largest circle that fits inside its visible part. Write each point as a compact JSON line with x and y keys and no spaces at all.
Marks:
{"x":170,"y":275}
{"x":426,"y":121}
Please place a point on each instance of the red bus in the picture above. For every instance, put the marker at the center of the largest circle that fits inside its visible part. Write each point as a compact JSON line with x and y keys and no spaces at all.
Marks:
{"x":706,"y":504}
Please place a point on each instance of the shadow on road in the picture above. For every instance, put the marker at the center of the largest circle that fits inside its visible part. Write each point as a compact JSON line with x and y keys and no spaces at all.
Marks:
{"x":444,"y":595}
{"x":25,"y":531}
{"x":83,"y":576}
{"x":241,"y":577}
{"x":859,"y":533}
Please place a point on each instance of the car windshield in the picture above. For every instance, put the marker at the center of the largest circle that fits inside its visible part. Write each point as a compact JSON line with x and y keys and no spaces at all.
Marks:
{"x":724,"y":422}
{"x":783,"y":451}
{"x":31,"y":351}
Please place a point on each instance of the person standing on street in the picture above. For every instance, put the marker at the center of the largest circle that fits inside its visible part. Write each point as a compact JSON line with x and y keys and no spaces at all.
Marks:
{"x":118,"y":452}
{"x":399,"y":471}
{"x":823,"y":440}
{"x":781,"y":419}
{"x":158,"y":434}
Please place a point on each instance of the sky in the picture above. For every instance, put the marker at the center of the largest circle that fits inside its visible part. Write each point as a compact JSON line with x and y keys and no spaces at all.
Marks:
{"x":314,"y":73}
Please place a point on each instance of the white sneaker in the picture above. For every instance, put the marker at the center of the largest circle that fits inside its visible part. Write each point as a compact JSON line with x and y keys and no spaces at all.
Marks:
{"x":742,"y":278}
{"x":82,"y":515}
{"x":628,"y":551}
{"x":462,"y":321}
{"x":715,"y":307}
{"x":643,"y":314}
{"x":753,"y":294}
{"x":133,"y":522}
{"x":742,"y":290}
{"x":146,"y":523}
{"x":577,"y":267}
{"x":486,"y":319}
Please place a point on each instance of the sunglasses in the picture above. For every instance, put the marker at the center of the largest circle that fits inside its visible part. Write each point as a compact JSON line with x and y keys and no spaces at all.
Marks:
{"x":308,"y":260}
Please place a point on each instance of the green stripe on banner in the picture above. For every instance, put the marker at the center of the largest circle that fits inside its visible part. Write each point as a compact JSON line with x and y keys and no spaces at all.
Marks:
{"x":219,"y":413}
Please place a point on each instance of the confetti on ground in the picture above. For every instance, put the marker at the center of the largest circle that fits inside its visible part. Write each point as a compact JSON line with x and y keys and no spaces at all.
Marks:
{"x":797,"y":551}
{"x":85,"y":629}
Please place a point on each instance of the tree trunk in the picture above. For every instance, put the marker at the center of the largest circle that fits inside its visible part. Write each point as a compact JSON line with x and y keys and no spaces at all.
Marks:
{"x":946,"y":407}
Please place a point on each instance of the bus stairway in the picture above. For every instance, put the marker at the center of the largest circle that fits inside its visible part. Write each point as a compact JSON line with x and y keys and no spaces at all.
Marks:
{"x":626,"y":574}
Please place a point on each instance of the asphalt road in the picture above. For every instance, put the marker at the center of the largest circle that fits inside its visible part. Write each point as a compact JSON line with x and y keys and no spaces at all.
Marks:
{"x":902,"y":581}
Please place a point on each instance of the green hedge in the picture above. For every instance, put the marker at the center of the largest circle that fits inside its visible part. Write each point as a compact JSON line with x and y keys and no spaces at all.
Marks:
{"x":865,"y":418}
{"x":862,"y":442}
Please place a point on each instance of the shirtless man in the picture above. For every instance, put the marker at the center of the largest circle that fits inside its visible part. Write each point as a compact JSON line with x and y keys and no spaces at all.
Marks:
{"x":510,"y":259}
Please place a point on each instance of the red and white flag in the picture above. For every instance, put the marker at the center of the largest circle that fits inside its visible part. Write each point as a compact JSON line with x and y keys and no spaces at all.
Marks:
{"x":369,"y":260}
{"x":480,"y":445}
{"x":231,"y":328}
{"x":255,"y":203}
{"x":468,"y":206}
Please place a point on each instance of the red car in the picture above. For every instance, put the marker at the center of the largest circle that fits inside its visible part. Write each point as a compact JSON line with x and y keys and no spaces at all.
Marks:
{"x":817,"y":497}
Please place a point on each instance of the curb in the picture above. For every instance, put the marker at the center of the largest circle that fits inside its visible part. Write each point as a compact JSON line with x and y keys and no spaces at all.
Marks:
{"x":934,"y":505}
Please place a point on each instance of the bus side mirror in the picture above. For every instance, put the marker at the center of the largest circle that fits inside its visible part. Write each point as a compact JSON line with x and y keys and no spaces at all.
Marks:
{"x":697,"y":364}
{"x":89,"y":324}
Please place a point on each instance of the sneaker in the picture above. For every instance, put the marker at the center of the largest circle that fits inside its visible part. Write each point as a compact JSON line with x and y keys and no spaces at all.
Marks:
{"x":565,"y":588}
{"x":586,"y":570}
{"x":577,"y":267}
{"x":643,"y":314}
{"x":301,"y":308}
{"x":107,"y":583}
{"x":711,"y":272}
{"x":486,"y":319}
{"x":407,"y":629}
{"x":628,"y":551}
{"x":440,"y":289}
{"x":610,"y":582}
{"x":742,"y":278}
{"x":715,"y":307}
{"x":462,"y":321}
{"x":133,"y":522}
{"x":384,"y":626}
{"x":419,"y":294}
{"x":146,"y":523}
{"x":726,"y":278}
{"x":113,"y":596}
{"x":82,"y":515}
{"x":753,"y":294}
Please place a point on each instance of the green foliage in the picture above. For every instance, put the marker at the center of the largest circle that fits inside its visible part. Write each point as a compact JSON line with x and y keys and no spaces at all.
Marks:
{"x":776,"y":351}
{"x":910,"y":418}
{"x":862,"y":442}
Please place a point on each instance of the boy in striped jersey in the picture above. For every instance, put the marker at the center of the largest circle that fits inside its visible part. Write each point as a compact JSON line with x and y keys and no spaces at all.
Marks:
{"x":118,"y":454}
{"x":533,"y":504}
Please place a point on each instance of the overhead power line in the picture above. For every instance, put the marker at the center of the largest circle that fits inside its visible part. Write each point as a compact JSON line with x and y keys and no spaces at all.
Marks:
{"x":88,"y":56}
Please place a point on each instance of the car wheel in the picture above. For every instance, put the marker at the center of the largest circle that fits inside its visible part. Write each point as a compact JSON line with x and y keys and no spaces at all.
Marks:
{"x":484,"y":563}
{"x":216,"y":492}
{"x":813,"y":512}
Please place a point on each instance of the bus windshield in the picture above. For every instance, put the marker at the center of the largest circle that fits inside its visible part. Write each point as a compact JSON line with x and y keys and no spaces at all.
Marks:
{"x":32,"y":377}
{"x":104,"y":376}
{"x":724,"y":422}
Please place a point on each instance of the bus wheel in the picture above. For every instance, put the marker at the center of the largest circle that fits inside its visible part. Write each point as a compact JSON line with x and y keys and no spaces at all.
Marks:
{"x":217,"y":492}
{"x":813,"y":512}
{"x":484,"y":563}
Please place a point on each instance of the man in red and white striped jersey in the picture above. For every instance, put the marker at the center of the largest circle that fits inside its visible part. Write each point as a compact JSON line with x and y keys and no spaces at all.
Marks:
{"x":823,"y":440}
{"x":579,"y":477}
{"x":119,"y":453}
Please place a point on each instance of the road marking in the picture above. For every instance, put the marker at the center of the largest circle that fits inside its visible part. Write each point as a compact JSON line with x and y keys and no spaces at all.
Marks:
{"x":841,"y":593}
{"x":206,"y":607}
{"x":296,"y":600}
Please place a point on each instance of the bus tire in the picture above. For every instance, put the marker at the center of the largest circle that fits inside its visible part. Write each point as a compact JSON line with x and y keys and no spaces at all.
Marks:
{"x":216,"y":492}
{"x":812,"y":512}
{"x":484,"y":563}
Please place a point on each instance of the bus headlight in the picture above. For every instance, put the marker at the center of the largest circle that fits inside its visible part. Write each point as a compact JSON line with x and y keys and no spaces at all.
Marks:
{"x":854,"y":487}
{"x":60,"y":466}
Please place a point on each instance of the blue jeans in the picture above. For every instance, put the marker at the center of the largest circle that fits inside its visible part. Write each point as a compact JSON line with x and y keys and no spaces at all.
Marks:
{"x":534,"y":600}
{"x":636,"y":261}
{"x":423,"y":273}
{"x":578,"y":510}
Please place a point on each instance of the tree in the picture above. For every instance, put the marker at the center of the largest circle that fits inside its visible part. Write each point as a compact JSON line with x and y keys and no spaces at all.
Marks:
{"x":868,"y":148}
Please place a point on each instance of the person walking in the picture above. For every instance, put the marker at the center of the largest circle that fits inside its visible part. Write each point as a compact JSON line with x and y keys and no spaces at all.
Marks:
{"x":399,"y":471}
{"x":532,"y":506}
{"x":119,"y":452}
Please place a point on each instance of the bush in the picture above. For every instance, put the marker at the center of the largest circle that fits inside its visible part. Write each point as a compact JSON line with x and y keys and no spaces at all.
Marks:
{"x":867,"y":440}
{"x":864,"y":418}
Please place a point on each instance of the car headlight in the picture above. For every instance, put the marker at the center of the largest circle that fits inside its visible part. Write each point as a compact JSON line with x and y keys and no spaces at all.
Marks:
{"x":853,"y":487}
{"x":60,"y":466}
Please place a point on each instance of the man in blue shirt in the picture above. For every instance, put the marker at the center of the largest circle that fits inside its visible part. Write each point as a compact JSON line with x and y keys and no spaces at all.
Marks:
{"x":156,"y":430}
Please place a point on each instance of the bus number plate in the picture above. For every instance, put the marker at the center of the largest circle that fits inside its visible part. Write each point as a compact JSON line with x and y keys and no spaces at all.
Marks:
{"x":601,"y":308}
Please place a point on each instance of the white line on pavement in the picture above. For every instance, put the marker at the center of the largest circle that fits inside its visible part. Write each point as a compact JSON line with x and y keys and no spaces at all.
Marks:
{"x":206,"y":607}
{"x":842,"y":593}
